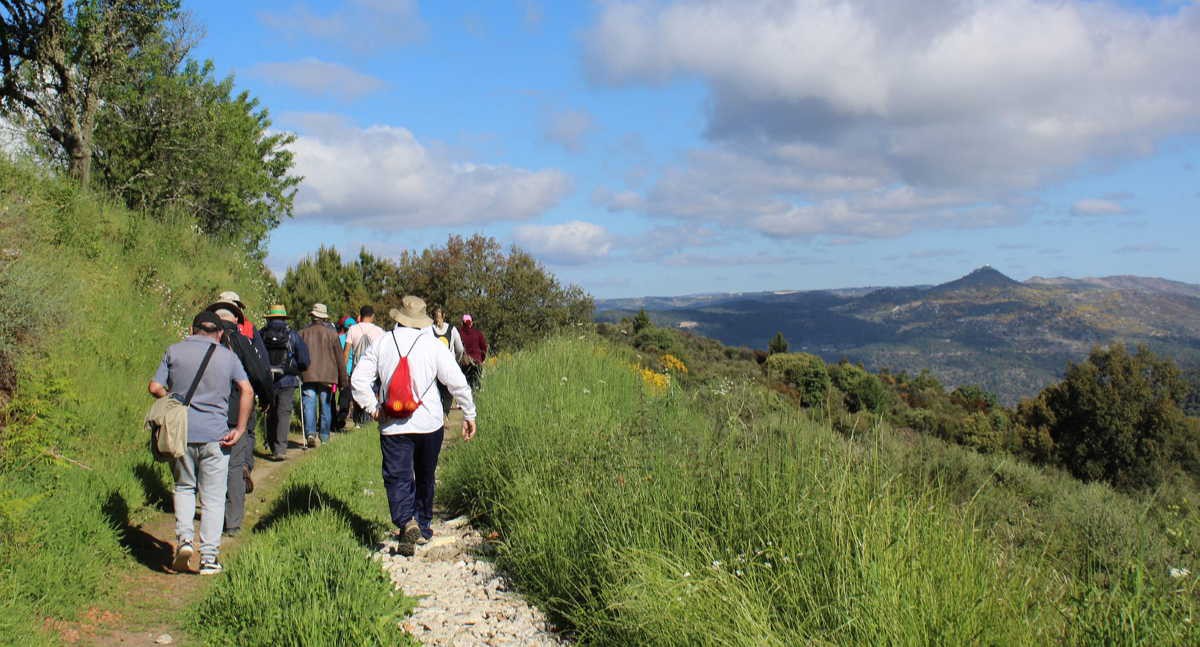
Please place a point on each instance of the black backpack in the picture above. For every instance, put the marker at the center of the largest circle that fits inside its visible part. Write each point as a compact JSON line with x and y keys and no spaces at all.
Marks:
{"x":279,"y":349}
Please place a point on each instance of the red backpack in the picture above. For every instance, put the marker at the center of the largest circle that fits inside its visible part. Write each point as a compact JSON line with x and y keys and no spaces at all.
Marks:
{"x":400,"y":402}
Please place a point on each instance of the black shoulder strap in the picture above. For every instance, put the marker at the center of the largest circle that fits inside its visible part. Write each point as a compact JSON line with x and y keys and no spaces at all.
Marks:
{"x":187,"y":399}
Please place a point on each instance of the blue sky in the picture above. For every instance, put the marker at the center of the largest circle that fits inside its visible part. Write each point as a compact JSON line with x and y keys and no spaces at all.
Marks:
{"x":656,"y":148}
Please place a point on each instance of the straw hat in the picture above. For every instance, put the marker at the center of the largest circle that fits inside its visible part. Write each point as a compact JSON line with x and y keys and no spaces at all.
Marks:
{"x":411,"y":313}
{"x":320,"y":311}
{"x":277,"y":311}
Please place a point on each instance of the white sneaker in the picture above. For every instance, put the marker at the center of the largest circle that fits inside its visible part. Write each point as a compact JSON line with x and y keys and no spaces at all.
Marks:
{"x":211,"y":567}
{"x":183,"y":556}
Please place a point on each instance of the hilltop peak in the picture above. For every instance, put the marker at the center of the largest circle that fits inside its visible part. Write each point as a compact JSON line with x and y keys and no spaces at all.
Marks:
{"x":983,"y":277}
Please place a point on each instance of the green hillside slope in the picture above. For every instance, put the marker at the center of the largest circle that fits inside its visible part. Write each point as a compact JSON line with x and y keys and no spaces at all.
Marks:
{"x":90,"y":295}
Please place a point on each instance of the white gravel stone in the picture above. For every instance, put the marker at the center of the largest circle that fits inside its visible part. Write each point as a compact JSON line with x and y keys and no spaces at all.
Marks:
{"x":461,"y":599}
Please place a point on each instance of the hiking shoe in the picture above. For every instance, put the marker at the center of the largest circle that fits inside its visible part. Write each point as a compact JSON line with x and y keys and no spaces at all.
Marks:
{"x":249,"y":481}
{"x":313,"y":442}
{"x":412,"y":532}
{"x":183,"y":556}
{"x":211,"y":567}
{"x":279,"y":458}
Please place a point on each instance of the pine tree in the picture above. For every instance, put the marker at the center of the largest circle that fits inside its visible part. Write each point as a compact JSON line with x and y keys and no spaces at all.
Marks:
{"x":778,"y":344}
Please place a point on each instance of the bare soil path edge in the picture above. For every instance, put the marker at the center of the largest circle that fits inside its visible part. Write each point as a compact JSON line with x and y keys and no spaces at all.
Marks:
{"x":150,"y":600}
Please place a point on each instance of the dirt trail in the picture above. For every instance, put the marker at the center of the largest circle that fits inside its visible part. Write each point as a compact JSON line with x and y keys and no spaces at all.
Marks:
{"x":151,"y":600}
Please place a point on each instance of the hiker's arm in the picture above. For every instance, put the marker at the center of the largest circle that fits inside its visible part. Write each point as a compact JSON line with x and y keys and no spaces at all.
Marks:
{"x":301,"y":350}
{"x":245,"y":404}
{"x":362,"y":382}
{"x":482,"y":347}
{"x":161,"y":376}
{"x":456,"y":345}
{"x":451,"y":375}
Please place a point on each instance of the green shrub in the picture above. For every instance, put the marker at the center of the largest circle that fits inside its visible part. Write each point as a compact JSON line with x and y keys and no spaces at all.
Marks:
{"x":863,"y":391}
{"x":806,"y":373}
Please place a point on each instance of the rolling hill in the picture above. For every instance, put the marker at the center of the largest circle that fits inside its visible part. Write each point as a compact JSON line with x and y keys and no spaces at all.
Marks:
{"x":1010,"y":337}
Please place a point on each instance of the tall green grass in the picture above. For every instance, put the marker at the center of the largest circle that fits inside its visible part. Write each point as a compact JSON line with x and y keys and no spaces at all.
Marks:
{"x":93,"y":297}
{"x":644,"y":519}
{"x":305,"y":577}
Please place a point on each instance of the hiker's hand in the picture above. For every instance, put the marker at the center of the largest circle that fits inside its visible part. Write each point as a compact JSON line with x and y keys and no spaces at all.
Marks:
{"x":376,"y":414}
{"x":230,"y":439}
{"x":468,"y":429}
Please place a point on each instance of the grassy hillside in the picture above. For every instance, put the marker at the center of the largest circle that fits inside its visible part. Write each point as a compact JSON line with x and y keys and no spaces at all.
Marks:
{"x":639,"y":512}
{"x":90,"y":296}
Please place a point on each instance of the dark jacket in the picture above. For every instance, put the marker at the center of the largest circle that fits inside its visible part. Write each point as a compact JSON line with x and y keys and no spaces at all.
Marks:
{"x":299,"y":354}
{"x":474,"y":344}
{"x":256,"y":368}
{"x":325,"y":365}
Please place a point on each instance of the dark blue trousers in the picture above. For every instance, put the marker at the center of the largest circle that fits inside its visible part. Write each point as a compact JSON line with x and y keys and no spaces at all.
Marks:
{"x":409,"y":462}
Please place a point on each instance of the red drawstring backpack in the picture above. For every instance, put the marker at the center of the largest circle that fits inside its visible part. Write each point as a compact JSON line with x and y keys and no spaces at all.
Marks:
{"x":400,"y":402}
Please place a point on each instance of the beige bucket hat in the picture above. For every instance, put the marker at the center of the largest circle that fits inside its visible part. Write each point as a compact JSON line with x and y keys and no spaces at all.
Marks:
{"x":411,"y":313}
{"x":320,"y":311}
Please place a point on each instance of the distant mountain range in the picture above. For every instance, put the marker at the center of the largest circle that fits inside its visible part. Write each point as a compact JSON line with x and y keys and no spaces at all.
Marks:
{"x":985,"y":328}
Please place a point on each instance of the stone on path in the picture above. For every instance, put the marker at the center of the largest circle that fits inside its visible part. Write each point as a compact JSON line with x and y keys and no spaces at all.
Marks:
{"x":164,"y":639}
{"x":461,"y":599}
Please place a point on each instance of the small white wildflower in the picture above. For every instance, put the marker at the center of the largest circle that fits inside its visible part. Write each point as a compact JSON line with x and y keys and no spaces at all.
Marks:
{"x":767,"y":564}
{"x":738,"y":572}
{"x":687,"y":573}
{"x":1179,"y":573}
{"x":587,"y":391}
{"x":716,"y":563}
{"x":564,"y":378}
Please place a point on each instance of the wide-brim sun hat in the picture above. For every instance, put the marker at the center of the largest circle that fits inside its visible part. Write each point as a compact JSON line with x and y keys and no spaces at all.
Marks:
{"x":230,"y":306}
{"x":411,"y":313}
{"x":229,"y":296}
{"x":319,"y":311}
{"x":277,"y":311}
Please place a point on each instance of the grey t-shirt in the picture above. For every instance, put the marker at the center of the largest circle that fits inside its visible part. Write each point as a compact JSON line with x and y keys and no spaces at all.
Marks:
{"x":208,"y":415}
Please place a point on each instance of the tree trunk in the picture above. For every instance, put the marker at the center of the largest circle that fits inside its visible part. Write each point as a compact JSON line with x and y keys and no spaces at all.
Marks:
{"x":79,"y":165}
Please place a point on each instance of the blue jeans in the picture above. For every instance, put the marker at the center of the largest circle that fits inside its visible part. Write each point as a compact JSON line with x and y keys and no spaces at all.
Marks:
{"x":310,"y":393}
{"x":409,"y":463}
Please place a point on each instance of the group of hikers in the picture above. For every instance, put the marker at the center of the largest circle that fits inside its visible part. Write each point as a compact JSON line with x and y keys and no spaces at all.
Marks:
{"x":227,"y":364}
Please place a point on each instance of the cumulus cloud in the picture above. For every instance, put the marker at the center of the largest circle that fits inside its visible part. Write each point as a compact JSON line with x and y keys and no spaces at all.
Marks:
{"x":1098,"y":207}
{"x":361,"y":26}
{"x":569,"y":243}
{"x":620,"y":201}
{"x":382,"y":176}
{"x":318,"y":77}
{"x":820,"y":107}
{"x":568,"y":128}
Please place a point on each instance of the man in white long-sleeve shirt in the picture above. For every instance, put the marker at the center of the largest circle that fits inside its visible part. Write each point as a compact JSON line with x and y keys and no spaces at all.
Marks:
{"x":411,"y":445}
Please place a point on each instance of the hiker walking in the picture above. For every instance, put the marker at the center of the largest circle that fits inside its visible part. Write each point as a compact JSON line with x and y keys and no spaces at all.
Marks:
{"x":408,"y":361}
{"x":241,"y":455}
{"x":359,"y":337}
{"x":325,"y":370}
{"x":288,"y":356}
{"x":474,"y":351}
{"x":199,"y":365}
{"x":448,"y":335}
{"x":342,"y":407}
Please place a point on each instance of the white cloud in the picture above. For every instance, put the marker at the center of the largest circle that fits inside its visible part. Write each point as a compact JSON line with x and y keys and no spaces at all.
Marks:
{"x":318,"y":77}
{"x":1098,"y":207}
{"x":381,"y":176}
{"x":614,"y":202}
{"x":820,"y":107}
{"x":569,"y":243}
{"x":568,"y":128}
{"x":361,"y":26}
